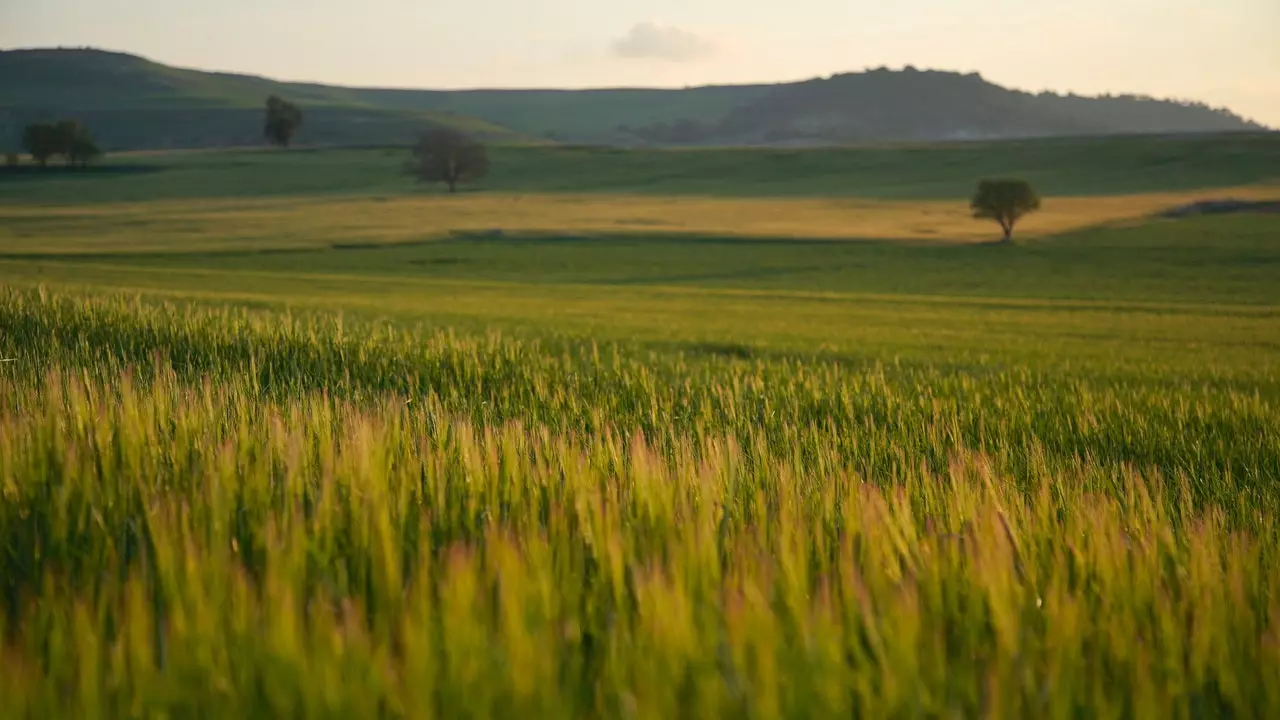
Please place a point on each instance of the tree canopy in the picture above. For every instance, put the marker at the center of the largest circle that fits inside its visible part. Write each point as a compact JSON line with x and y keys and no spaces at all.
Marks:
{"x":449,"y":157}
{"x":68,"y":138}
{"x":40,"y":140}
{"x":83,"y":150}
{"x":282,"y":121}
{"x":1006,"y":201}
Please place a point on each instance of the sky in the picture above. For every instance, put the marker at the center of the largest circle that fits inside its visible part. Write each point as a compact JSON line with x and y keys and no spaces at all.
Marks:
{"x":1224,"y":52}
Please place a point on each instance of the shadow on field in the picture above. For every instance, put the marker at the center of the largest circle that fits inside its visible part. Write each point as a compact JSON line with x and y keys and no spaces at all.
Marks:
{"x":525,"y":238}
{"x":1227,"y":260}
{"x":31,"y":173}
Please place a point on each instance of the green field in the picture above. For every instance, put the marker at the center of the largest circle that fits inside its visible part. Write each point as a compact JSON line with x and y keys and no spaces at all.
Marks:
{"x":282,"y":435}
{"x":1063,"y":167}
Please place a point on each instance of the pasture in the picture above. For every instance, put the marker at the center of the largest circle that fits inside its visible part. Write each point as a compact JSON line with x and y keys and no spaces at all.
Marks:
{"x":717,"y":433}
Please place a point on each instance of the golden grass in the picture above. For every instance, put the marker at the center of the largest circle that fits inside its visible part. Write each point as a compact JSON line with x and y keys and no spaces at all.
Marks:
{"x":207,"y":225}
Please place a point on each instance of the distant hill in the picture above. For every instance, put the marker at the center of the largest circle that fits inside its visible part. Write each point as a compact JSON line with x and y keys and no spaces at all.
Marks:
{"x":911,"y":105}
{"x":132,"y":102}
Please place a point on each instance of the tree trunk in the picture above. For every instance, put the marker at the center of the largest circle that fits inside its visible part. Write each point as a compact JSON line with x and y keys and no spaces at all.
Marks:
{"x":453,"y":186}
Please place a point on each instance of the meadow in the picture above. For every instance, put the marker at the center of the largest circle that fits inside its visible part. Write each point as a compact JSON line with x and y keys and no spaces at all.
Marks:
{"x":351,"y":452}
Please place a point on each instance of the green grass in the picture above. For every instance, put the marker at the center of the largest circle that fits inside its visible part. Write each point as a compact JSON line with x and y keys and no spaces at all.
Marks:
{"x":255,"y":464}
{"x":1211,"y":260}
{"x":1087,"y":167}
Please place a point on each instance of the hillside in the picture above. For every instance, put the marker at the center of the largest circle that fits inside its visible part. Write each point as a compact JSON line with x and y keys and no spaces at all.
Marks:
{"x":911,"y":105}
{"x":135,"y":103}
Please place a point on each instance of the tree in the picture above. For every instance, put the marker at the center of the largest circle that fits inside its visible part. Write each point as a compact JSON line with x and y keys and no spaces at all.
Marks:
{"x":450,"y":157}
{"x":83,"y":150}
{"x":75,"y":143}
{"x":41,"y":141}
{"x":282,"y":120}
{"x":1005,"y":201}
{"x":69,"y":138}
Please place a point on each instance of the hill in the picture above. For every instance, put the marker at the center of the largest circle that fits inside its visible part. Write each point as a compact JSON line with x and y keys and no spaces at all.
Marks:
{"x":135,"y":103}
{"x":910,"y":105}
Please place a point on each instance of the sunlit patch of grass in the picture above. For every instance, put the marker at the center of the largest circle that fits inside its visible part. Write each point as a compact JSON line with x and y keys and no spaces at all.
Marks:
{"x":313,"y":222}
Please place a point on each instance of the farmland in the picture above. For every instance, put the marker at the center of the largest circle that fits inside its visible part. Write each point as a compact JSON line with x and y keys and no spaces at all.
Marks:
{"x":285,"y":435}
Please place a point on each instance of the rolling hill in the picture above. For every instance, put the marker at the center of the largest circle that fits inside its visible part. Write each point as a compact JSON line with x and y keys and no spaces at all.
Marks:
{"x":910,"y":105}
{"x":134,"y":103}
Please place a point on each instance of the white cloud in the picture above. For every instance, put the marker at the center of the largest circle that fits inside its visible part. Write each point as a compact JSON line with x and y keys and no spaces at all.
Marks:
{"x":650,"y":41}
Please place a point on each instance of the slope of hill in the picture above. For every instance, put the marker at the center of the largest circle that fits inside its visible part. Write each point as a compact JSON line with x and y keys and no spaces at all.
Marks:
{"x":910,"y":105}
{"x":133,"y":103}
{"x":136,"y":103}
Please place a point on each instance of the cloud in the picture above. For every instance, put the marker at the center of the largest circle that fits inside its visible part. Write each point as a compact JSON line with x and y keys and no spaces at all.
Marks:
{"x":662,"y":42}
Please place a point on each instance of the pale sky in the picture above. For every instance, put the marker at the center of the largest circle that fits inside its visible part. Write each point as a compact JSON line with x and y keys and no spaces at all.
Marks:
{"x":1224,"y":52}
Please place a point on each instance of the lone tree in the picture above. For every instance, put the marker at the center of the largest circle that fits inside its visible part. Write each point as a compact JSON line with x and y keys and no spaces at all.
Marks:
{"x":1004,"y":201}
{"x":282,"y":120}
{"x":449,"y":157}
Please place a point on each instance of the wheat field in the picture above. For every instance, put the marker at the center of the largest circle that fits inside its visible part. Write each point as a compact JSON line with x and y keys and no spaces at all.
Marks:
{"x":220,"y":512}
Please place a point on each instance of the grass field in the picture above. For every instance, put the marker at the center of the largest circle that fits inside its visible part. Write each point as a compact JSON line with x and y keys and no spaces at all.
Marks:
{"x":1061,"y":167}
{"x":653,"y":451}
{"x":343,"y":223}
{"x":261,"y":200}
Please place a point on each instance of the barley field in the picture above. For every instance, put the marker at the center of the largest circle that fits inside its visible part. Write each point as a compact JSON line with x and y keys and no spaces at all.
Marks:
{"x":291,"y":470}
